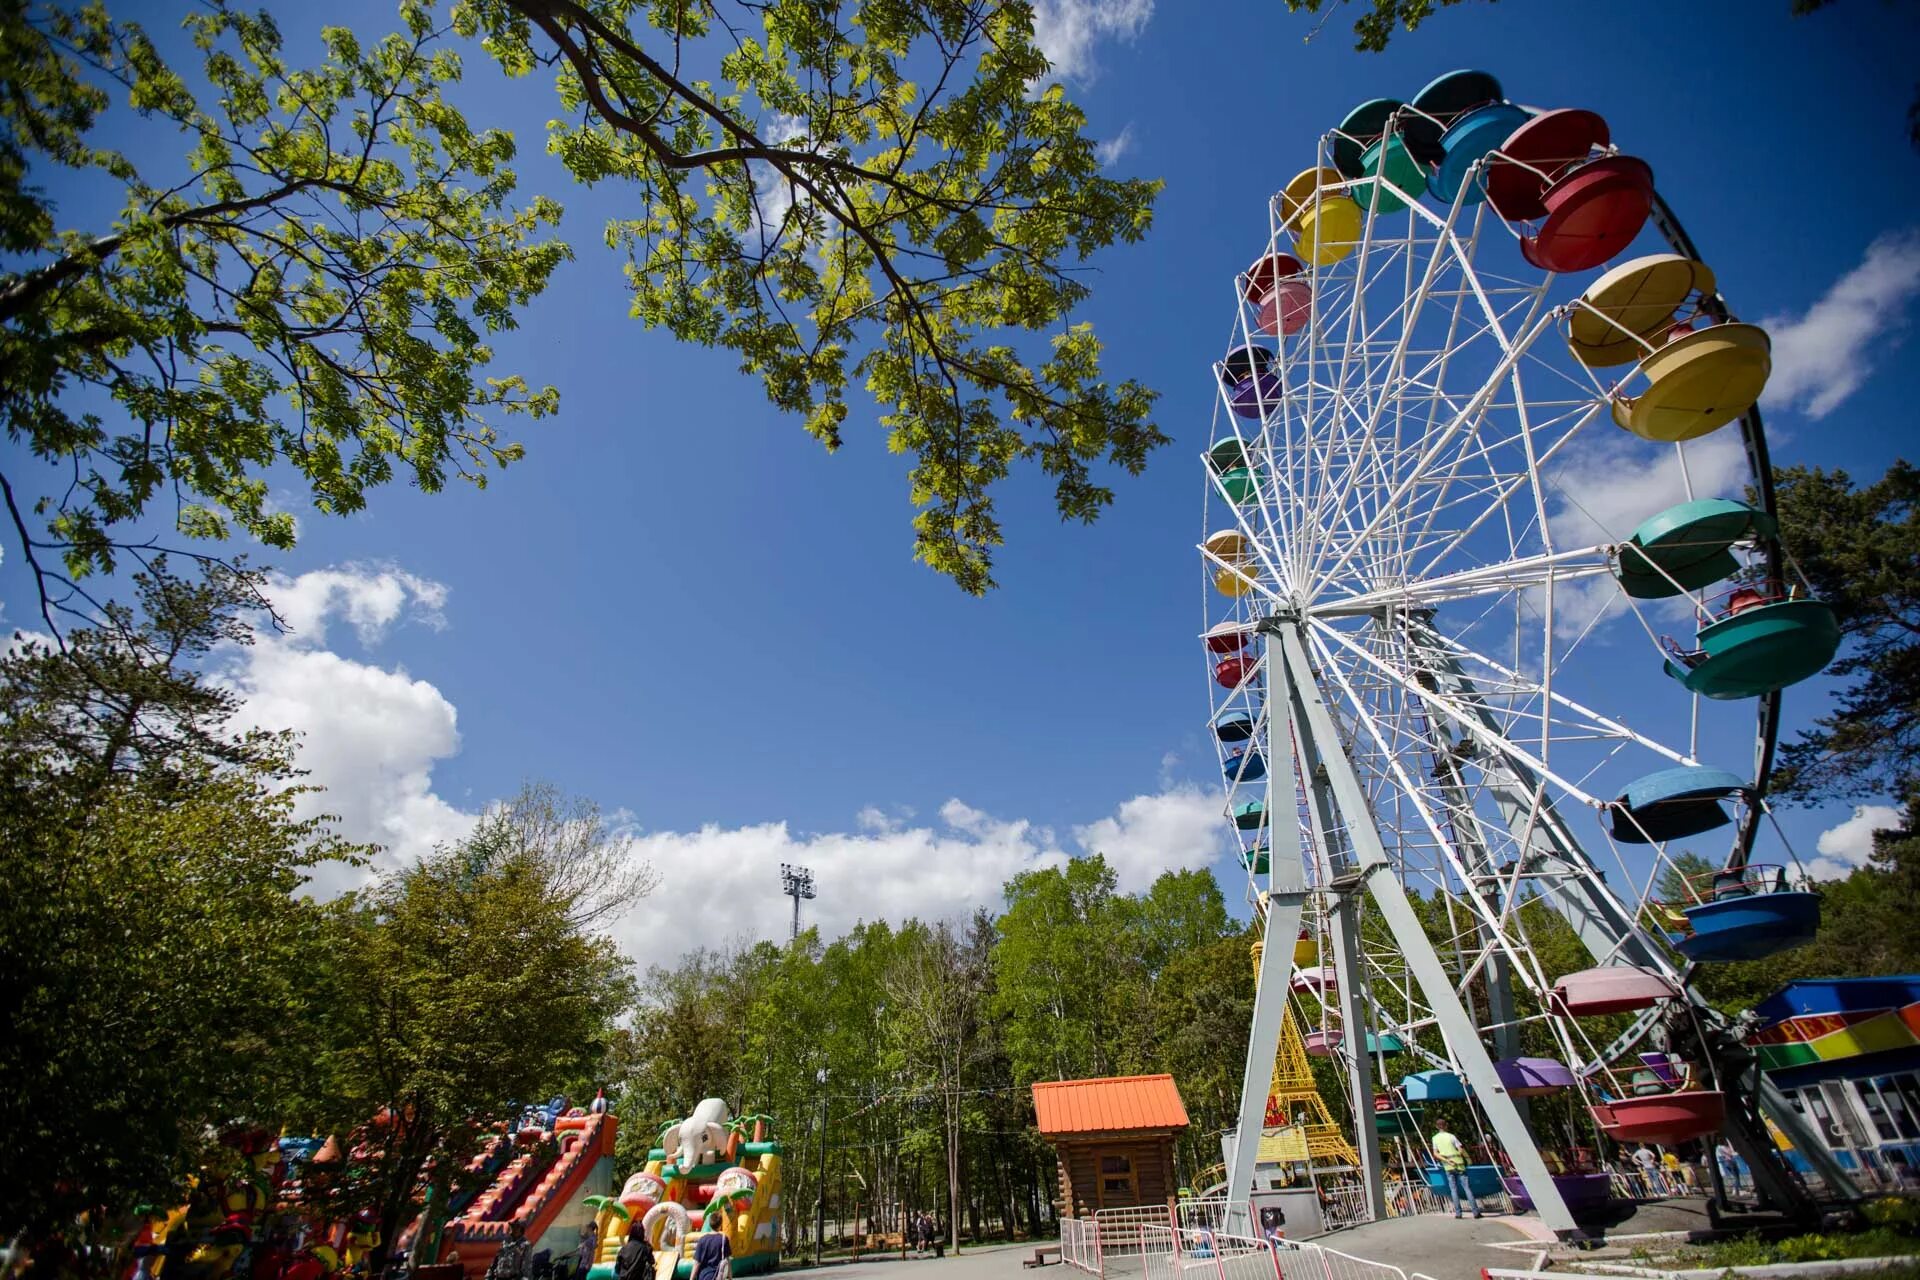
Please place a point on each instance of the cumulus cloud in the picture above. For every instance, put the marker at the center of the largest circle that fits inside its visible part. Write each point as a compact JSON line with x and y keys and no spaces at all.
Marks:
{"x":1821,"y":357}
{"x":373,"y":734}
{"x":1110,"y":152}
{"x":1846,"y":847}
{"x":1606,"y":488}
{"x":369,"y":734}
{"x":1067,"y":31}
{"x":722,"y":883}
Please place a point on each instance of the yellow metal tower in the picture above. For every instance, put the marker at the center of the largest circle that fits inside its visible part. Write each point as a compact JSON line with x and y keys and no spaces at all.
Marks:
{"x":1294,"y":1099}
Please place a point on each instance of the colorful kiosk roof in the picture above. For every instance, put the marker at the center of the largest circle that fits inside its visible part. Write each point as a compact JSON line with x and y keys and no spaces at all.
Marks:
{"x":1822,"y":1029}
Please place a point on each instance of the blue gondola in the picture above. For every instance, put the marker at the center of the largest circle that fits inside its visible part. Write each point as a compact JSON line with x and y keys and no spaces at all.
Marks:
{"x":1675,"y":803}
{"x":1246,"y":766}
{"x":1752,"y":914}
{"x":1434,"y":1086}
{"x":1233,"y":726}
{"x":1482,"y":1179}
{"x":1465,"y":143}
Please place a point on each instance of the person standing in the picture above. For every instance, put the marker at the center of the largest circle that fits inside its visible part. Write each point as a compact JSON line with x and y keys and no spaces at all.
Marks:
{"x":511,"y":1262}
{"x":1729,"y":1165}
{"x":713,"y":1257}
{"x":1452,"y":1156}
{"x":635,"y":1259}
{"x":583,"y":1252}
{"x":1649,"y":1166}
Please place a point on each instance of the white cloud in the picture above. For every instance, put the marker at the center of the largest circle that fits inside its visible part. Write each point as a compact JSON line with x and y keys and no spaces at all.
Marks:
{"x":1822,"y":357}
{"x":1608,"y":487}
{"x":1613,"y":483}
{"x":1174,"y":830}
{"x":368,"y":734}
{"x":1847,"y":846}
{"x":773,"y":194}
{"x":722,"y":883}
{"x":1067,"y":30}
{"x":1110,"y":152}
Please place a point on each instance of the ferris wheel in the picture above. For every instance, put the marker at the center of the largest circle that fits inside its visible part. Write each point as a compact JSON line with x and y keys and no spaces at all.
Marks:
{"x":1497,"y":623}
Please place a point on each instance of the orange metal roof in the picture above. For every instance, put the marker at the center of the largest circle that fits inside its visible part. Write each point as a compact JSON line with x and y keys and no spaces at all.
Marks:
{"x":1111,"y":1105}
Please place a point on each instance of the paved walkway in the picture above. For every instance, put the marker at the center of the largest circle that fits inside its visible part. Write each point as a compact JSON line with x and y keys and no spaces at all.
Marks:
{"x":1439,"y":1245}
{"x":986,"y":1262}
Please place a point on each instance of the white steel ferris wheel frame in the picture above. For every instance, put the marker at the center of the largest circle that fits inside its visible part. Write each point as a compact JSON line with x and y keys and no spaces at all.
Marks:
{"x":1367,"y":466}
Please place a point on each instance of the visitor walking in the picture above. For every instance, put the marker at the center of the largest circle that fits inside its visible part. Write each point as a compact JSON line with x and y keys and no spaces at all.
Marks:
{"x":1729,"y":1165}
{"x":713,"y":1257}
{"x":1452,"y":1156}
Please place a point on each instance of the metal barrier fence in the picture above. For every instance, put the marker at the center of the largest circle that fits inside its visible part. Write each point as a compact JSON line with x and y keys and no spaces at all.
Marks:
{"x":1317,"y":1262}
{"x":1202,"y":1211}
{"x":1122,"y":1232}
{"x":1079,"y":1245}
{"x":1346,"y":1206}
{"x":1199,"y":1252}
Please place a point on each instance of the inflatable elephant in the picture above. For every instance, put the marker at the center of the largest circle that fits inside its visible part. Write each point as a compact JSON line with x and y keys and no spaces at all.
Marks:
{"x":699,"y":1138}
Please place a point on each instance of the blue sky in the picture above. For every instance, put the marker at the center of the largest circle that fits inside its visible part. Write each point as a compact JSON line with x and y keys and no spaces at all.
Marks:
{"x":679,"y":606}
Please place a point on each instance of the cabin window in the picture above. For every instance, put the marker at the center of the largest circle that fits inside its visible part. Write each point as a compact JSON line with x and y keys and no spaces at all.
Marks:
{"x":1117,"y":1180}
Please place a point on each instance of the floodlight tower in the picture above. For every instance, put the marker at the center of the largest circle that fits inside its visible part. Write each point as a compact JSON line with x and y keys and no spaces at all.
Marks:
{"x":796,"y":883}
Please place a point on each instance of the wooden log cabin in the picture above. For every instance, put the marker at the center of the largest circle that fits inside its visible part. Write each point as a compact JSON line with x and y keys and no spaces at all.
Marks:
{"x":1113,"y":1140}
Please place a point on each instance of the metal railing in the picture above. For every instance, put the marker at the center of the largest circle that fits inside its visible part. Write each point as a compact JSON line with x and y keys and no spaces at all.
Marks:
{"x":1200,"y":1252}
{"x":1122,"y":1232}
{"x":1201,"y":1211}
{"x":1322,"y":1263}
{"x":1079,"y":1245}
{"x":1346,"y":1206}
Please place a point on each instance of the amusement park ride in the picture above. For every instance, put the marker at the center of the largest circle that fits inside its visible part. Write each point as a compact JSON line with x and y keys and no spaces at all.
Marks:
{"x":1445,"y":681}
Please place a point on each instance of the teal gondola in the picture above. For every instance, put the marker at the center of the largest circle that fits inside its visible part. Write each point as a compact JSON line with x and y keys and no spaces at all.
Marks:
{"x":1762,"y":648}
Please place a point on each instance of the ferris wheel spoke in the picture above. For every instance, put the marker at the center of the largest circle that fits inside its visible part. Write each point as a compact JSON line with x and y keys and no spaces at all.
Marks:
{"x":1510,"y":575}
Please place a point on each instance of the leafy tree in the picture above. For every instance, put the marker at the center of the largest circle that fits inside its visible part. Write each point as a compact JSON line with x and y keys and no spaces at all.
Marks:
{"x":1060,"y":952}
{"x":1375,"y":27}
{"x":461,"y":984}
{"x":316,"y":287}
{"x":153,"y":985}
{"x":1860,"y":551}
{"x":873,"y":190}
{"x":934,"y":990}
{"x":1683,"y":878}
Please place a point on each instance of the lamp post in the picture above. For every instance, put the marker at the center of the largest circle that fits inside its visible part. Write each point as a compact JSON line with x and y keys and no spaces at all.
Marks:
{"x":820,"y":1197}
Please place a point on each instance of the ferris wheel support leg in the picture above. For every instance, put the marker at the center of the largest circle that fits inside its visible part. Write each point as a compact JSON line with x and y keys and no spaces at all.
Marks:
{"x":1375,"y":872}
{"x":1574,"y":888}
{"x":1286,"y":894}
{"x":1344,"y":926}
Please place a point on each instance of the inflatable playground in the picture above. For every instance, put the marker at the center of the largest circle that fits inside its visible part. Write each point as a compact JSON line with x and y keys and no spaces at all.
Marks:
{"x":551,"y":1171}
{"x":710,"y":1172}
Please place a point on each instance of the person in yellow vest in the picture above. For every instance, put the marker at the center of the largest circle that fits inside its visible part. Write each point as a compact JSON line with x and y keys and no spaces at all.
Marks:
{"x":1453,"y":1168}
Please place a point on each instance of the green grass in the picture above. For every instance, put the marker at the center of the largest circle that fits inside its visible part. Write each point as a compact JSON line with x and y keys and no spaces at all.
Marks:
{"x":1893,"y":1231}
